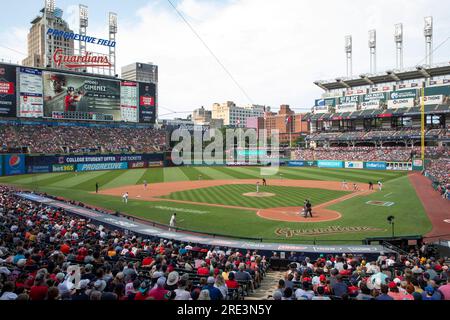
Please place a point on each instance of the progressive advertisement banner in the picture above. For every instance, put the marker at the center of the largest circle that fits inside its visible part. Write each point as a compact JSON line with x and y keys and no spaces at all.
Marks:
{"x":330,"y":164}
{"x":31,"y":93}
{"x":147,"y":102}
{"x":354,"y":164}
{"x":14,"y":164}
{"x":102,"y":166}
{"x":375,"y":165}
{"x":8,"y":84}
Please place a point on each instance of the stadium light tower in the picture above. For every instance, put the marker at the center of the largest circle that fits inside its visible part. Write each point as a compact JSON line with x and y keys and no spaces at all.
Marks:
{"x":398,"y":36}
{"x":84,"y":22}
{"x":112,"y":38}
{"x":428,"y":31}
{"x":373,"y":51}
{"x":349,"y":51}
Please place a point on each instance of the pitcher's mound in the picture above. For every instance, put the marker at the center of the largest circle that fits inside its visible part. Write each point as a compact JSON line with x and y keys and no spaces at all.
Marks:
{"x":259,"y":194}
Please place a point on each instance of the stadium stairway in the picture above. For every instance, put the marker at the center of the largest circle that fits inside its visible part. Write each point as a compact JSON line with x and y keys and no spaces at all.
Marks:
{"x":268,"y":286}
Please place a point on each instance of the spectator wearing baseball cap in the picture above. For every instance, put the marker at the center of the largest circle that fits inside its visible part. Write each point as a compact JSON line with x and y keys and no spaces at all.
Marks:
{"x":214,"y":293}
{"x":429,"y":293}
{"x":159,"y":293}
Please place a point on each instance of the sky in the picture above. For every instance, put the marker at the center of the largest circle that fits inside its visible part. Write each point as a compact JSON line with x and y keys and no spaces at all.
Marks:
{"x":274,"y":49}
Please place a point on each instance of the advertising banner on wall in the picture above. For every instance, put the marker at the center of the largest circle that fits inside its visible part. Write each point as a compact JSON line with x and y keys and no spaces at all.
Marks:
{"x":8,"y":84}
{"x":330,"y":164}
{"x":102,"y":166}
{"x":377,"y":96}
{"x":147,"y":102}
{"x":38,"y":169}
{"x":301,"y":163}
{"x":347,"y":107}
{"x":87,"y":98}
{"x":375,"y":104}
{"x":399,"y":166}
{"x":381,"y":89}
{"x":375,"y":165}
{"x":320,"y":109}
{"x":349,"y":99}
{"x":14,"y":164}
{"x":31,"y":103}
{"x":63,"y":168}
{"x":401,"y":103}
{"x":129,"y":101}
{"x":330,"y":102}
{"x":354,"y":164}
{"x":430,"y":100}
{"x":403,"y":94}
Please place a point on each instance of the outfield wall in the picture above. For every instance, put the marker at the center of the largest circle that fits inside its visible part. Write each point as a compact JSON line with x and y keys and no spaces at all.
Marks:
{"x":415,"y":165}
{"x":17,"y":164}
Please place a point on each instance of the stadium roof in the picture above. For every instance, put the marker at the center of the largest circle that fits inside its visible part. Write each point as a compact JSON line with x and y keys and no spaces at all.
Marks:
{"x":418,"y":72}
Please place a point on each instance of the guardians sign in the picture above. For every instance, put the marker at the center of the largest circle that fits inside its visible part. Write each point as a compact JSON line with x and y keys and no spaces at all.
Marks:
{"x":289,"y":233}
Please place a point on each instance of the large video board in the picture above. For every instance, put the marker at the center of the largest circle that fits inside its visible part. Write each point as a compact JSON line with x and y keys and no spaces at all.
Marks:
{"x":8,"y":84}
{"x":68,"y":96}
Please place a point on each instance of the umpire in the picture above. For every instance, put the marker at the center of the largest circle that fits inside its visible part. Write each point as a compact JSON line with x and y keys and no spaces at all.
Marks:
{"x":308,"y":208}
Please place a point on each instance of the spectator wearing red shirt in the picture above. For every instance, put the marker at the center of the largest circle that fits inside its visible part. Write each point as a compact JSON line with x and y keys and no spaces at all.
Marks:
{"x":203,"y":270}
{"x":159,"y":293}
{"x":142,"y":293}
{"x":231,"y":283}
{"x":39,"y":290}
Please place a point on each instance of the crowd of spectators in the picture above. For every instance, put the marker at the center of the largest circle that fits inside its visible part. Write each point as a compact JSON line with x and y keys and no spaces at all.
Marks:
{"x":378,"y":134}
{"x":47,"y":254}
{"x":415,"y":276}
{"x":368,"y":153}
{"x":59,"y":139}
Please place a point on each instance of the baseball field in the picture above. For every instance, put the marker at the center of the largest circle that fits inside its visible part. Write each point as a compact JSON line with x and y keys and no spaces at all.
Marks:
{"x":223,"y":200}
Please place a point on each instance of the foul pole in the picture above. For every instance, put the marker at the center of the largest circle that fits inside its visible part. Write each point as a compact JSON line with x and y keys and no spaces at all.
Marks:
{"x":422,"y":114}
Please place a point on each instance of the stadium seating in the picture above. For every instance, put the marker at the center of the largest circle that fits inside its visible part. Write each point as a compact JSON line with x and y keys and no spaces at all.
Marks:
{"x":64,"y":140}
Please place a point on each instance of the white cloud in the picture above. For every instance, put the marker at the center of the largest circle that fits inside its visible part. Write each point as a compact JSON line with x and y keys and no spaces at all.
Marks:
{"x":275,"y":49}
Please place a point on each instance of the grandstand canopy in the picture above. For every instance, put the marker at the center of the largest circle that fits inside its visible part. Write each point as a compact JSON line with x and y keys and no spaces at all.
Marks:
{"x":418,"y":72}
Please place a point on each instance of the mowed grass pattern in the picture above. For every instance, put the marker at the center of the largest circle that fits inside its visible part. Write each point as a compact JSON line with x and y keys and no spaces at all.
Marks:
{"x":408,"y":210}
{"x":232,"y":195}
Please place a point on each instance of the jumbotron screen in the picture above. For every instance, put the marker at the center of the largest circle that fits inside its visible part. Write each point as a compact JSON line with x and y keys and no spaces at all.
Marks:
{"x":69,"y":96}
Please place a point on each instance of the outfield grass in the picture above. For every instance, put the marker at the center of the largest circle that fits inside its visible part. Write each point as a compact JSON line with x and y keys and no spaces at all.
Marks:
{"x":408,"y":210}
{"x":232,"y":195}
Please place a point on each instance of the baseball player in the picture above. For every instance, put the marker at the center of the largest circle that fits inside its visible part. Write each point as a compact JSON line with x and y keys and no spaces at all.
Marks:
{"x":145,"y":184}
{"x":380,"y":185}
{"x":257,"y":187}
{"x":355,"y":187}
{"x":264,"y":182}
{"x":344,"y":184}
{"x":125,"y":197}
{"x":173,"y":221}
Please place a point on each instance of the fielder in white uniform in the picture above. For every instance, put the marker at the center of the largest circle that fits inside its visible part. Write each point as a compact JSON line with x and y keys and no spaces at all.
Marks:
{"x":257,"y":187}
{"x":380,"y":185}
{"x":173,"y":221}
{"x":125,"y":197}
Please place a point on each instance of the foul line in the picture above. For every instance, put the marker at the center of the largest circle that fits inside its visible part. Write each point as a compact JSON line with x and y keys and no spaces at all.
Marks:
{"x":388,"y":194}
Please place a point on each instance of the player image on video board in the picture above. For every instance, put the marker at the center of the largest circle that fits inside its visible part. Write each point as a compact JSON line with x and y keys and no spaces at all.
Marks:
{"x":80,"y":95}
{"x":147,"y":102}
